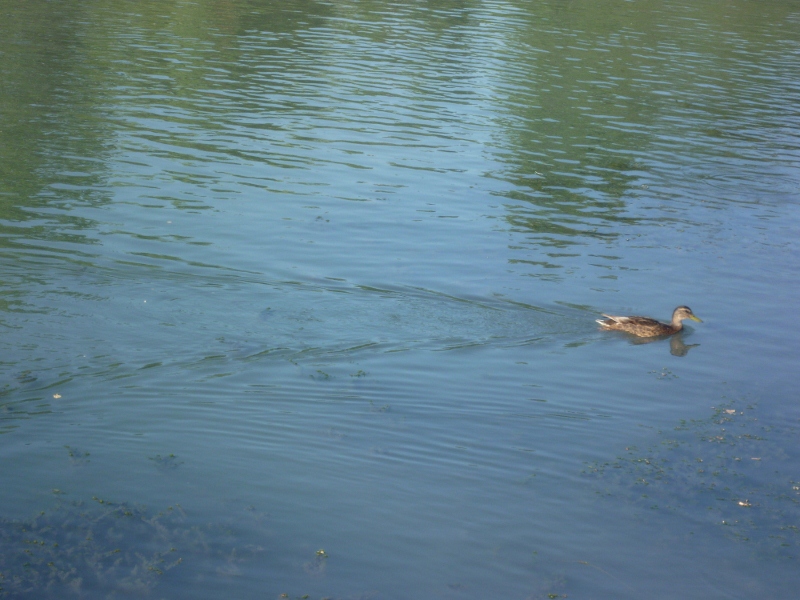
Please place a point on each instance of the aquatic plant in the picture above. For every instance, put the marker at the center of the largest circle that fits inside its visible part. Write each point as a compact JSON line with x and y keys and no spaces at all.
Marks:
{"x":715,"y":469}
{"x":103,"y":549}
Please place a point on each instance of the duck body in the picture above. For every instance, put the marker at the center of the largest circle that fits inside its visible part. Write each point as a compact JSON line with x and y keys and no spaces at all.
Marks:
{"x":647,"y":327}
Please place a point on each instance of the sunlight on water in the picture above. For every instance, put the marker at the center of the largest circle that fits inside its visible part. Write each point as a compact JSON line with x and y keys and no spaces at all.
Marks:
{"x":301,"y":299}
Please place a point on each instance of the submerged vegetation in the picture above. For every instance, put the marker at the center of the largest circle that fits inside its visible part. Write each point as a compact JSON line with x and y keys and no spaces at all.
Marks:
{"x":104,"y":549}
{"x":730,"y":465}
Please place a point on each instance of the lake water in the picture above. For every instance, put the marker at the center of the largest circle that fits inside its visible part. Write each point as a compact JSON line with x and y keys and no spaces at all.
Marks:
{"x":299,"y":299}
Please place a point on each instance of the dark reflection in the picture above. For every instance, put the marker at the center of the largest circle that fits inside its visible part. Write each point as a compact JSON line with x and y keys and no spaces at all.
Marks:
{"x":256,"y":16}
{"x":677,"y":347}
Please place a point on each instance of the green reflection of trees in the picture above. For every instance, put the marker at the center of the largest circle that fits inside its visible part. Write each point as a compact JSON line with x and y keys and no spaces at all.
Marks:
{"x":66,"y":70}
{"x":52,"y":135}
{"x":603,"y":97}
{"x":75,"y":78}
{"x":570,"y":171}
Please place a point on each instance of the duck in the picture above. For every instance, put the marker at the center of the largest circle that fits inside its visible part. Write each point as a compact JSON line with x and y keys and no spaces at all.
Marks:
{"x":647,"y":327}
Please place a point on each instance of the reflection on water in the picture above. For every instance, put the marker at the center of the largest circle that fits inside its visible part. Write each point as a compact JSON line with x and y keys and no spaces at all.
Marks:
{"x":336,"y":266}
{"x":677,"y":346}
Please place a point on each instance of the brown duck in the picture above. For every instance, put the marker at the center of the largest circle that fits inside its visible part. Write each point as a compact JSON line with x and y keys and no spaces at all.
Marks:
{"x":647,"y":327}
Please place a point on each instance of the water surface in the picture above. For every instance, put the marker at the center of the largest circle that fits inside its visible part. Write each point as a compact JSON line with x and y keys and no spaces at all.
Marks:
{"x":300,"y":299}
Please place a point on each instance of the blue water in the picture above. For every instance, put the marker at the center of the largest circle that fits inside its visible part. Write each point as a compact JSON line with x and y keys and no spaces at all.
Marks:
{"x":312,"y":288}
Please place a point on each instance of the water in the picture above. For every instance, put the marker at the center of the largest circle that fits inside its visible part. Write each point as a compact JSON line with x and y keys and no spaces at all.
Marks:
{"x":300,"y":299}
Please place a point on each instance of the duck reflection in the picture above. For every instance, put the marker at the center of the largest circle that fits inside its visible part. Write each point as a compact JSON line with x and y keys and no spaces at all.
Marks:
{"x":677,"y":347}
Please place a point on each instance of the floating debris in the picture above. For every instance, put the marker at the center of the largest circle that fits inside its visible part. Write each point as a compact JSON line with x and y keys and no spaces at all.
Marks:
{"x":317,"y":566}
{"x":168,"y":462}
{"x":77,"y":456}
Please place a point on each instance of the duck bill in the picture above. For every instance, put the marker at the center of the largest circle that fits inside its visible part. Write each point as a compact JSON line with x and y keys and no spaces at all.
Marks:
{"x":693,"y":318}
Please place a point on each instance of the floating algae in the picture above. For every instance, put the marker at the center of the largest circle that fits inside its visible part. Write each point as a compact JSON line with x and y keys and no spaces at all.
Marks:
{"x":733,"y":470}
{"x":103,"y":549}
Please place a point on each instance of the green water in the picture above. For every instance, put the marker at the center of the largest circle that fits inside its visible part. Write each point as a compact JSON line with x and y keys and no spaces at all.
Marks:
{"x":299,"y":298}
